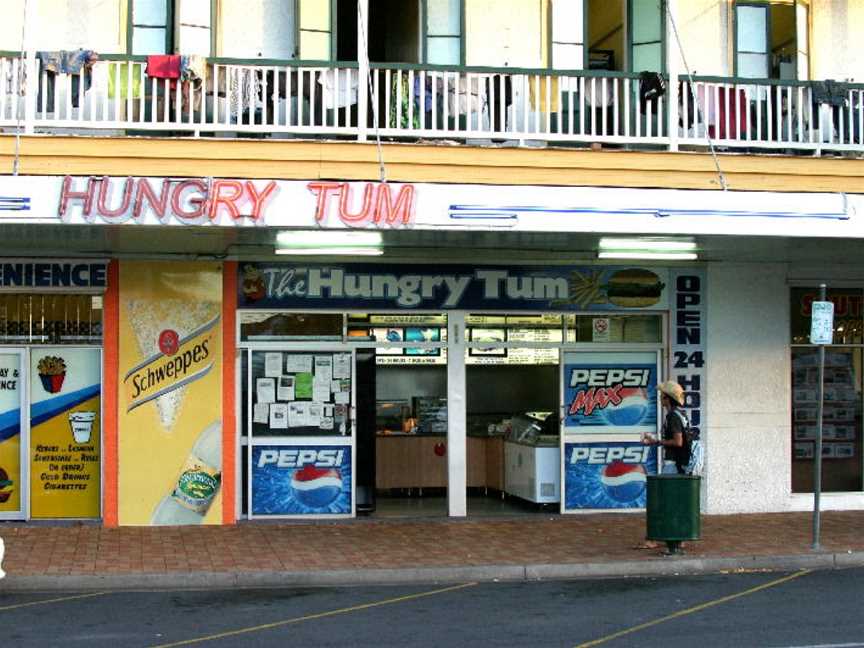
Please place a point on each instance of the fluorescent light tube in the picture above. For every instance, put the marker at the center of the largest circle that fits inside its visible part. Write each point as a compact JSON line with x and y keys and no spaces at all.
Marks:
{"x":648,"y":244}
{"x":331,"y":251}
{"x":649,"y":256}
{"x":326,"y":238}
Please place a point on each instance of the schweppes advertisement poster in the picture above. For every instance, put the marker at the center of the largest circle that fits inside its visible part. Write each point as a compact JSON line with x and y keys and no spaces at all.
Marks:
{"x":10,"y":433}
{"x":170,"y":419}
{"x":65,"y":432}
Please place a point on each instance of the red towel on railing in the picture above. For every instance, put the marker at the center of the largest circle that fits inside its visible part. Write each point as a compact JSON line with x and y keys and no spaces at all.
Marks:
{"x":733,"y":103}
{"x":163,"y":66}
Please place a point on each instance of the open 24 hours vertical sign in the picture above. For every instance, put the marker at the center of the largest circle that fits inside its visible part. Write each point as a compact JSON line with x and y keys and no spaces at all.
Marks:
{"x":610,"y":393}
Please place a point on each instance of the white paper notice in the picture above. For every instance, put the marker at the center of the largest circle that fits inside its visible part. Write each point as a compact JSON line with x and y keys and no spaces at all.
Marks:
{"x":316,"y":410}
{"x":343,"y":398}
{"x":321,"y":391}
{"x":326,"y":423}
{"x":272,"y":365}
{"x":296,"y":414}
{"x":261,"y":413}
{"x":342,"y":365}
{"x":324,"y":368}
{"x":278,"y":416}
{"x":298,"y":363}
{"x":285,"y":390}
{"x":266,"y":390}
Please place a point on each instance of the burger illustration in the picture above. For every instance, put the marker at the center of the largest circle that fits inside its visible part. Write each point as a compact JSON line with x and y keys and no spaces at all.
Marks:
{"x":52,"y":373}
{"x":634,"y":288}
{"x":5,"y":487}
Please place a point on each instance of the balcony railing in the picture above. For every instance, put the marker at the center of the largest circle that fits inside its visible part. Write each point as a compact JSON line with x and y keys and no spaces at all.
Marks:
{"x":411,"y":102}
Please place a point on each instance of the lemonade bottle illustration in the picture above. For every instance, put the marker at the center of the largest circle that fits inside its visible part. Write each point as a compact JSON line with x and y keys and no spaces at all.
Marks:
{"x":198,"y":483}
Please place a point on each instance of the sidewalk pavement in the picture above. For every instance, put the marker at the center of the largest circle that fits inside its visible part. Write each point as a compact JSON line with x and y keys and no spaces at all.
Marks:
{"x":366,"y":550}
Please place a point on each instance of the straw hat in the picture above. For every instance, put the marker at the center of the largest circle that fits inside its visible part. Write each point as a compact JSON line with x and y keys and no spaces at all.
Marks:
{"x":673,"y":390}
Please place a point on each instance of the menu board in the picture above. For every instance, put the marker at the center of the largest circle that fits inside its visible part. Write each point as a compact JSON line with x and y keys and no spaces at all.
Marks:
{"x":301,"y":393}
{"x":841,"y":406}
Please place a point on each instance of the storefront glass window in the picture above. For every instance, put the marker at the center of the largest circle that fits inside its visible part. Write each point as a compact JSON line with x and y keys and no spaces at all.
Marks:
{"x":615,"y":329}
{"x":848,"y":323}
{"x":392,"y":333}
{"x":50,"y":319}
{"x":842,"y":421}
{"x":261,"y":326}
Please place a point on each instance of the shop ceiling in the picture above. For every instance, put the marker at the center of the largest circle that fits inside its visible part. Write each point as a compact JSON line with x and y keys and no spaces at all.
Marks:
{"x":402,"y":246}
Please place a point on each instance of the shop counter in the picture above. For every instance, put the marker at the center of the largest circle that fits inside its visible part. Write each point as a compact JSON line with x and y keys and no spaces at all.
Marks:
{"x":420,"y":461}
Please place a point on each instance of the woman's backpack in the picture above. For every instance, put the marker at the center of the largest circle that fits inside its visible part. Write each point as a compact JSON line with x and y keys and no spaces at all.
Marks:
{"x":693,"y":446}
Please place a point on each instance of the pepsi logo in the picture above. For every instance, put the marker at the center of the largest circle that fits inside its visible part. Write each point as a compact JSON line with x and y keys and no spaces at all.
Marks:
{"x":632,"y":409}
{"x":623,"y":482}
{"x":316,"y":488}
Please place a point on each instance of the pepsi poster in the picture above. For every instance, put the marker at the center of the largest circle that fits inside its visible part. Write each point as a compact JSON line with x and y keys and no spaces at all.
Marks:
{"x":607,"y":475}
{"x":302,"y":480}
{"x":610,"y":393}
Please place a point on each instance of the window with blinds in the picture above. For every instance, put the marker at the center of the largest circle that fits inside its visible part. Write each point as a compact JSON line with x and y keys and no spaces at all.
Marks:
{"x":50,"y":319}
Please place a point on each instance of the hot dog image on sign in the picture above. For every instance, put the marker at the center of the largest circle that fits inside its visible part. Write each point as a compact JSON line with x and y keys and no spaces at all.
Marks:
{"x":610,"y":393}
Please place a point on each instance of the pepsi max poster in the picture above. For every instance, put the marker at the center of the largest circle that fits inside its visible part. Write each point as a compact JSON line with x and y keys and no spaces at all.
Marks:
{"x":610,"y":393}
{"x":607,"y":475}
{"x":302,"y":480}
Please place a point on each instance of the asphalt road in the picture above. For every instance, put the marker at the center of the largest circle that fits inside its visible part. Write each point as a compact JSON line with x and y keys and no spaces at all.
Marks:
{"x":772,"y":609}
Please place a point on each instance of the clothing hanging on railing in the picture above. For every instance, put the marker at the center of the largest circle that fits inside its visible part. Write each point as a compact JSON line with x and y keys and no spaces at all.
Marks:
{"x":829,"y":92}
{"x":163,"y":66}
{"x":539,"y":103}
{"x":73,"y":63}
{"x":652,"y":86}
{"x":245,"y":90}
{"x":193,"y":77}
{"x":122,"y":70}
{"x":466,"y":95}
{"x":338,"y":88}
{"x":500,"y":91}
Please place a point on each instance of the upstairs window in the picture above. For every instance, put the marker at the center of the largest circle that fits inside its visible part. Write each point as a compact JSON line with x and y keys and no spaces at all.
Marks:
{"x":170,"y":27}
{"x":442,"y":20}
{"x":771,"y":40}
{"x":625,"y":35}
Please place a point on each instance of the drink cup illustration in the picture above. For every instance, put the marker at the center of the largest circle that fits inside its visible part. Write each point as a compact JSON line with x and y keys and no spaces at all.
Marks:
{"x":82,"y":426}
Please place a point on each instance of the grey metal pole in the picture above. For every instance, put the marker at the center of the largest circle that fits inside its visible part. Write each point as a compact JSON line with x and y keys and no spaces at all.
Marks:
{"x":817,"y":459}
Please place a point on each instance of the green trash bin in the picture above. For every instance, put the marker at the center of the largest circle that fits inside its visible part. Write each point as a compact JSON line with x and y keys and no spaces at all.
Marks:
{"x":672,"y":510}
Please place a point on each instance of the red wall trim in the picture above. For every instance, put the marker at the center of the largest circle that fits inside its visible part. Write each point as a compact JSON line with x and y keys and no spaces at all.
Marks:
{"x":229,"y":382}
{"x":111,"y":360}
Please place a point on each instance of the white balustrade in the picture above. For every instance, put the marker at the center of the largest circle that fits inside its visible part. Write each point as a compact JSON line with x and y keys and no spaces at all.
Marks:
{"x":485,"y":104}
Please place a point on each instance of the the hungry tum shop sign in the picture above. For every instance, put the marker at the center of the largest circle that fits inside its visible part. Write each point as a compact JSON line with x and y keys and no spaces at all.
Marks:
{"x":450,"y":287}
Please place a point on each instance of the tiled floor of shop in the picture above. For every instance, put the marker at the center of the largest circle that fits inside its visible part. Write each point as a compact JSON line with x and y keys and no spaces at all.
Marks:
{"x":393,"y":543}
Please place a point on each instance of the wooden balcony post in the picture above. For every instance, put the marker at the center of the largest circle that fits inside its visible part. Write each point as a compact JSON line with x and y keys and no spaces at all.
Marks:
{"x":30,"y":73}
{"x":672,"y":63}
{"x":362,"y":68}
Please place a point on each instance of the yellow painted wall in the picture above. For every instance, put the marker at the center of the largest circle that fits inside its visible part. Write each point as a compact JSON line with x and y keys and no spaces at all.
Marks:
{"x":67,"y":24}
{"x":423,"y":163}
{"x":505,"y":32}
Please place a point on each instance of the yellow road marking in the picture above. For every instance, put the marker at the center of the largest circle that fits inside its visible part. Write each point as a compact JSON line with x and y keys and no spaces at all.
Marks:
{"x":54,"y":600}
{"x":693,"y":609}
{"x":310,"y":617}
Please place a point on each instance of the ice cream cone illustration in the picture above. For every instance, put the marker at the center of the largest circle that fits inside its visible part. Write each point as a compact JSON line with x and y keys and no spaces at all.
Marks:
{"x":150,"y":321}
{"x":52,"y":373}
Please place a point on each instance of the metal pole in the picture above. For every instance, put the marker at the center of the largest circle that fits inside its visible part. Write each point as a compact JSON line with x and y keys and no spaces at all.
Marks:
{"x":817,"y":463}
